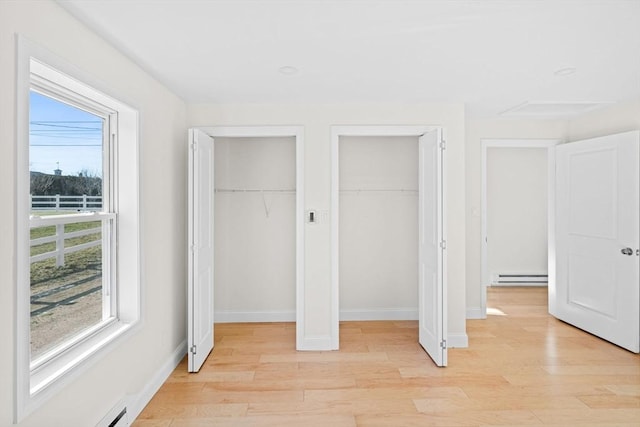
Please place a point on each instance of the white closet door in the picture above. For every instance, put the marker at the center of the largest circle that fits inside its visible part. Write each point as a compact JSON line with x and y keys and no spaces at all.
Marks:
{"x":597,"y":238}
{"x":200,"y":248}
{"x":432,"y":299}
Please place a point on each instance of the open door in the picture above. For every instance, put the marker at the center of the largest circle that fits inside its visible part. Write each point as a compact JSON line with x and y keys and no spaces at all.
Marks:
{"x":432,"y":297}
{"x":597,"y":238}
{"x":200,"y":249}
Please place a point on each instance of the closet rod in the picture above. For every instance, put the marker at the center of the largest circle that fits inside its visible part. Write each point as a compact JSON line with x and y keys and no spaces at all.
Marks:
{"x":250,"y":190}
{"x":399,"y":190}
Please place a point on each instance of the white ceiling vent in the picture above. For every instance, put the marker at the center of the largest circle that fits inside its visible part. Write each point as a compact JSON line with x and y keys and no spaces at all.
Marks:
{"x":551,"y":109}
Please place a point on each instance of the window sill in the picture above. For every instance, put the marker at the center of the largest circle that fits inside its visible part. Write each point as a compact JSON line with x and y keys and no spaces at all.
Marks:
{"x":51,"y":373}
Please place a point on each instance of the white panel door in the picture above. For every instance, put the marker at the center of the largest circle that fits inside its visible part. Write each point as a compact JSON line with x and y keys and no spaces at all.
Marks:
{"x":432,"y":301}
{"x":200,"y":249}
{"x":597,"y":238}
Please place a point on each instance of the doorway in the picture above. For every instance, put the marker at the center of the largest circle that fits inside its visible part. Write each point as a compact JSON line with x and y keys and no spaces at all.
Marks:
{"x":255,"y":229}
{"x":370,"y":181}
{"x":238,"y":144}
{"x":516,"y":211}
{"x":378,"y":245}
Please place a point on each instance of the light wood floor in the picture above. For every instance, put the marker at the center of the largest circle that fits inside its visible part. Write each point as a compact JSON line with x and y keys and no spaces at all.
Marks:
{"x":522,"y":367}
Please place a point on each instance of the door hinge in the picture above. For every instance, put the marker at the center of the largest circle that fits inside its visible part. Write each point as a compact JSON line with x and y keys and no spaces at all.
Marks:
{"x":443,"y":145}
{"x":193,"y":349}
{"x":443,"y":344}
{"x":443,"y":244}
{"x":194,"y":146}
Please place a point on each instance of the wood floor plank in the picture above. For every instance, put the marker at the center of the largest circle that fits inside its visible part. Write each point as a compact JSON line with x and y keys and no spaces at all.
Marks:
{"x":268,"y":421}
{"x":589,"y":370}
{"x":324,"y":357}
{"x":625,"y":389}
{"x":320,"y":408}
{"x":470,"y":418}
{"x":526,"y":380}
{"x":528,"y":391}
{"x":381,"y":393}
{"x":581,"y":416}
{"x":445,"y":405}
{"x":152,"y":423}
{"x":204,"y":410}
{"x":285,"y":384}
{"x":611,"y":402}
{"x":213,"y":376}
{"x":522,"y":367}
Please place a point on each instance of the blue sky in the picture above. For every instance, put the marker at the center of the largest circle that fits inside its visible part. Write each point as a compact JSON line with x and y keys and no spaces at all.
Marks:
{"x":63,"y":136}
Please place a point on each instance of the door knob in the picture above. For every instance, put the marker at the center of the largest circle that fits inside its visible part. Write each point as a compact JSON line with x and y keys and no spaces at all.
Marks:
{"x":627,"y":251}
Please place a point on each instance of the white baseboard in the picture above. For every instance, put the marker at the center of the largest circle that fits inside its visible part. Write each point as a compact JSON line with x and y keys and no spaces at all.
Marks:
{"x":380,"y":314}
{"x":137,"y":402}
{"x":519,"y":284}
{"x":457,"y":341}
{"x":323,"y":343}
{"x":475,"y":313}
{"x":254,"y":316}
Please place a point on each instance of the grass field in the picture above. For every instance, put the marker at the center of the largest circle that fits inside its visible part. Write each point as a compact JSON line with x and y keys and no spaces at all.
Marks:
{"x":74,"y":262}
{"x":63,"y":302}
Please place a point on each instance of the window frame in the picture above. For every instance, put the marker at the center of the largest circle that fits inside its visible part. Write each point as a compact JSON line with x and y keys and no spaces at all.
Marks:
{"x":37,"y":381}
{"x":107,"y":215}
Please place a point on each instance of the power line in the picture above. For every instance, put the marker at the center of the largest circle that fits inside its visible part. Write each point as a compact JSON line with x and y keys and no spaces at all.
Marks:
{"x":56,"y":123}
{"x":87,"y":137}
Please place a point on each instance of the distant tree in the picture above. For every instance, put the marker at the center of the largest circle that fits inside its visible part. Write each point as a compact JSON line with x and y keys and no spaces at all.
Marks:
{"x":42,"y":184}
{"x":88,"y":183}
{"x":66,"y":185}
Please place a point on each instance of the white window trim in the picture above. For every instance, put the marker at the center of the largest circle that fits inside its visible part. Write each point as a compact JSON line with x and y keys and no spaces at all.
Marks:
{"x":34,"y":387}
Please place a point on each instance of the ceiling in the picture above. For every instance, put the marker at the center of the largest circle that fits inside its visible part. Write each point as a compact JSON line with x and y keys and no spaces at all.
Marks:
{"x":493,"y":56}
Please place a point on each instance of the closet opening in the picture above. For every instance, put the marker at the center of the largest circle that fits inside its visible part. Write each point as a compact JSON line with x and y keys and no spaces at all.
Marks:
{"x":245,"y":230}
{"x":388,"y":229}
{"x":255,"y":229}
{"x":378,"y":242}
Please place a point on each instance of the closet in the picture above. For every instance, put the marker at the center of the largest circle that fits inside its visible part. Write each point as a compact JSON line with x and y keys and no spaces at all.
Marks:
{"x":255,"y":229}
{"x":388,"y":228}
{"x":245,"y":230}
{"x":378,"y":227}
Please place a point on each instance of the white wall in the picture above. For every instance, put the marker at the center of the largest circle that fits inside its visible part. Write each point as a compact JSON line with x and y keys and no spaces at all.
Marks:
{"x":516,"y":210}
{"x":136,"y":361}
{"x":477,"y":130}
{"x":317,"y":120}
{"x":255,"y":232}
{"x":378,"y":229}
{"x":606,"y":121}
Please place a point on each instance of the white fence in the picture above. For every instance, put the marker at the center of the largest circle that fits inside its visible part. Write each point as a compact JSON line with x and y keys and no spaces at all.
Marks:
{"x":66,"y":203}
{"x":59,"y":238}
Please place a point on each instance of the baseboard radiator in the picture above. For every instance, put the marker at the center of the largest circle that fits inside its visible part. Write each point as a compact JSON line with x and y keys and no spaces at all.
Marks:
{"x":520,"y":279}
{"x":116,"y":417}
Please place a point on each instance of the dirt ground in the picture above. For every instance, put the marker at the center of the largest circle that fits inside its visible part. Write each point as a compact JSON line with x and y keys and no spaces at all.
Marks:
{"x":75,"y":313}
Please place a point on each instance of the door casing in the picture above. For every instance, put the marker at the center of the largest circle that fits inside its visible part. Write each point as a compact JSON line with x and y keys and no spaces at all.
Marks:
{"x":481,"y":312}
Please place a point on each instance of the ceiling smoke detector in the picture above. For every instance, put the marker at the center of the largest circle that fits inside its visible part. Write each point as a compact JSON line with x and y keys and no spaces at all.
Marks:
{"x":288,"y":70}
{"x":566,"y":71}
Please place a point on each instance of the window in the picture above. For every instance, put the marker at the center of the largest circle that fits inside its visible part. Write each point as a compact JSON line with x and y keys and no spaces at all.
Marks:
{"x":78,"y":268}
{"x":72,"y":221}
